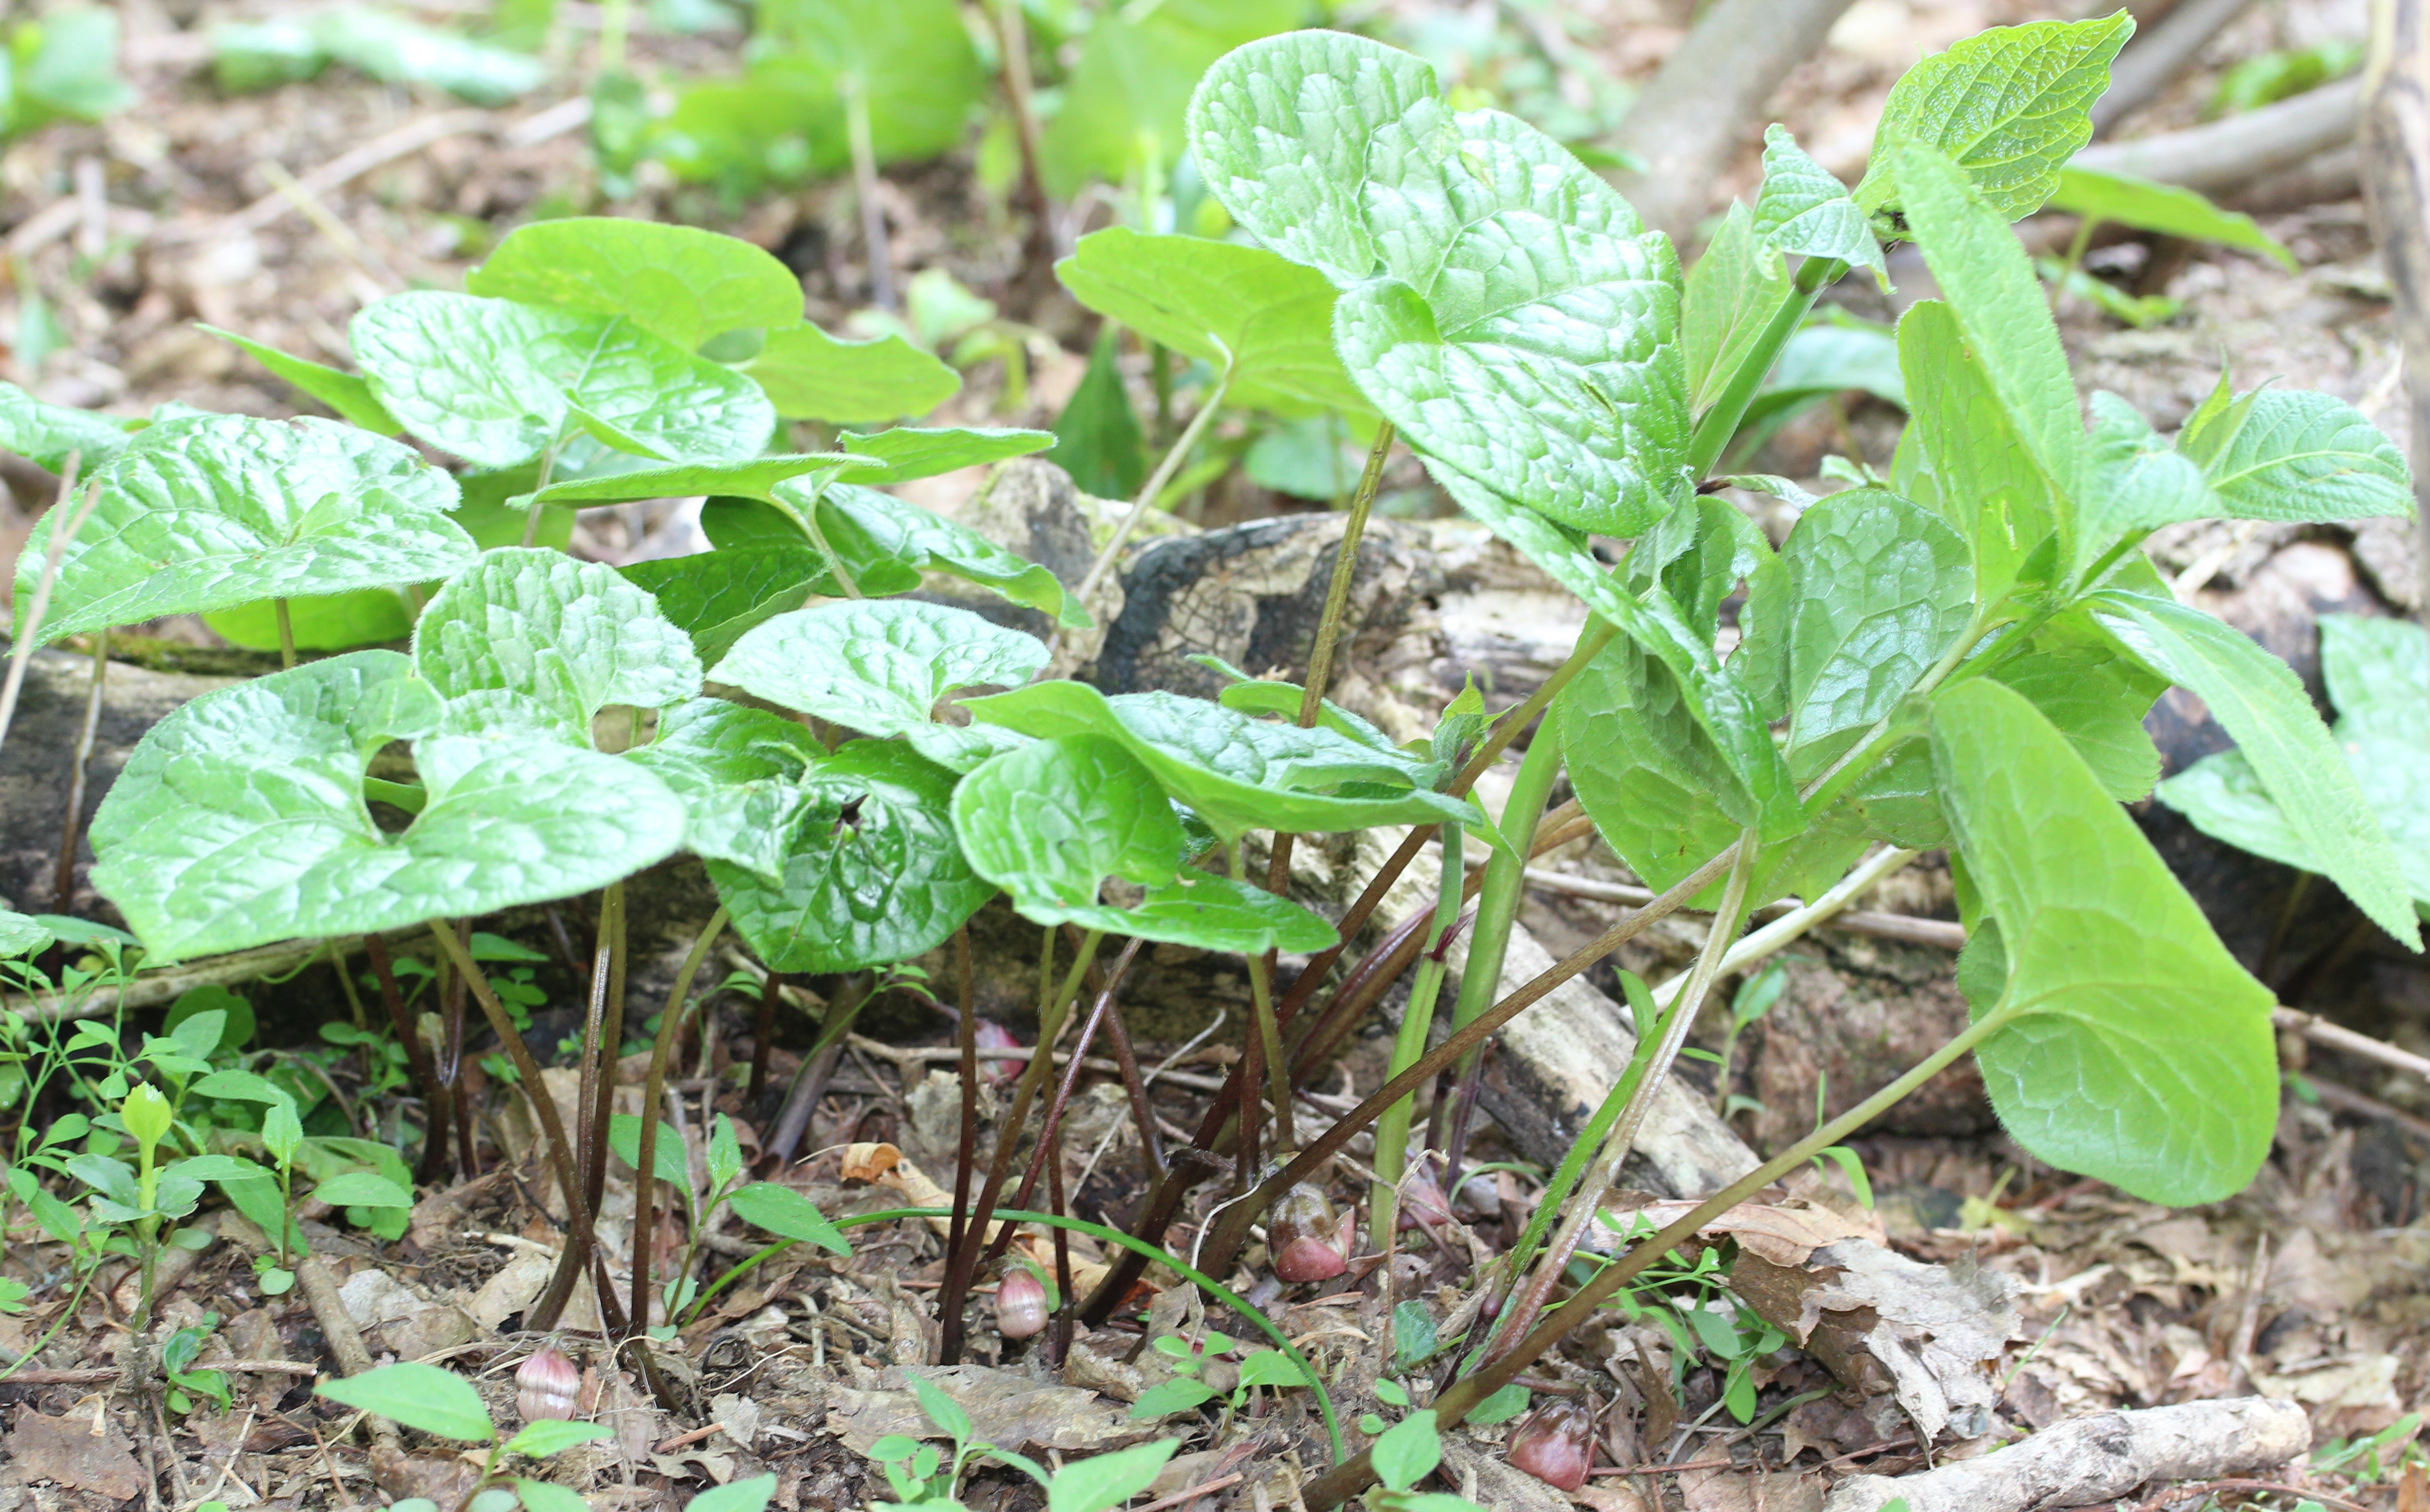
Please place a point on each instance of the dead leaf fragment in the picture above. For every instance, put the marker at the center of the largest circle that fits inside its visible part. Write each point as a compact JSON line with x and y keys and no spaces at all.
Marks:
{"x":67,"y":1452}
{"x":867,"y":1162}
{"x":1006,"y":1409}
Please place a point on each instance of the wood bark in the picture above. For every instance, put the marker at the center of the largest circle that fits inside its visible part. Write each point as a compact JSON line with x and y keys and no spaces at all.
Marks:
{"x":2396,"y":176}
{"x":2228,"y":154}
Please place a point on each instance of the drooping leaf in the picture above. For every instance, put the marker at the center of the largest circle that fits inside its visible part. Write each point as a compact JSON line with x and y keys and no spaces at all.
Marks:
{"x":2299,"y":455}
{"x":1731,"y":296}
{"x":498,"y":382}
{"x":1985,"y":476}
{"x":44,"y":434}
{"x":676,"y":282}
{"x":2008,"y":106}
{"x":872,"y":874}
{"x":2259,"y":700}
{"x":573,"y":636}
{"x":219,"y":510}
{"x":239,"y":818}
{"x":865,"y":526}
{"x":419,"y":1396}
{"x":2168,"y":208}
{"x":2132,"y":1047}
{"x":738,"y":770}
{"x":716,"y":596}
{"x":808,"y":374}
{"x":1097,"y":437}
{"x":1881,"y":589}
{"x":1803,"y":208}
{"x":882,"y":666}
{"x":786,"y":1213}
{"x":1501,"y":305}
{"x":1254,"y":314}
{"x":348,"y":393}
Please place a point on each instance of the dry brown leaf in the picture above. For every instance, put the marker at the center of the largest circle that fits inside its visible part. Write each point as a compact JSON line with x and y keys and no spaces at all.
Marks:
{"x":68,"y":1451}
{"x":869,"y":1162}
{"x":1785,"y":1233}
{"x":1005,"y":1408}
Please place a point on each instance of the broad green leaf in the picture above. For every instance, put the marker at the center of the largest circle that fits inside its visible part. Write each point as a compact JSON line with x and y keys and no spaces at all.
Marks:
{"x":2096,"y":696}
{"x":1721,"y":705}
{"x":738,"y":770}
{"x":808,"y":374}
{"x":572,"y":636}
{"x":2299,"y":455}
{"x":1500,"y":304}
{"x":1407,"y":1452}
{"x":1097,"y":438}
{"x":220,"y":510}
{"x":348,"y":393}
{"x":551,"y":1435}
{"x":677,"y":282}
{"x":1803,"y":208}
{"x":1881,"y":589}
{"x":497,"y":383}
{"x":668,"y":1162}
{"x":1245,"y":311}
{"x":1985,"y":476}
{"x":786,"y":1213}
{"x":2224,"y":798}
{"x":342,"y":622}
{"x":45,"y":434}
{"x":1731,"y":296}
{"x":2008,"y":106}
{"x":2378,"y":672}
{"x":863,"y":524}
{"x":1122,"y":117}
{"x":544,"y":1496}
{"x":751,"y":479}
{"x":1992,"y":290}
{"x":239,"y":819}
{"x":2167,"y":208}
{"x":357,"y":1189}
{"x":419,"y":1396}
{"x":21,"y":935}
{"x":881,"y":667}
{"x":910,"y":451}
{"x":2131,"y":1046}
{"x":2134,"y":481}
{"x":1100,"y":1482}
{"x":2259,"y":702}
{"x":715,"y":597}
{"x":872,"y":874}
{"x":735,"y":1496}
{"x":1238,"y":773}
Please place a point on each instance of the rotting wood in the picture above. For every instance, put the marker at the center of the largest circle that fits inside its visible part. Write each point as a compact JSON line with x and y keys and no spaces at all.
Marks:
{"x":2396,"y":178}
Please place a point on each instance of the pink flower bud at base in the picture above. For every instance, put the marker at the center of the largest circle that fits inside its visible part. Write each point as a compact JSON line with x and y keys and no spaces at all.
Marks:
{"x":1020,"y":1304}
{"x":545,"y":1387}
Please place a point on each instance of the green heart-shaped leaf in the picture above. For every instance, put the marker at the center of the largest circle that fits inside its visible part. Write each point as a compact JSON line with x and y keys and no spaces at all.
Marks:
{"x":674,"y":281}
{"x":808,"y":374}
{"x":45,"y":434}
{"x":738,"y":770}
{"x":716,"y":596}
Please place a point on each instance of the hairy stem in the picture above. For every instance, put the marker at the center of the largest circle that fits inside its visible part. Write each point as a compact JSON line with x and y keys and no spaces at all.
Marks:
{"x":645,"y":1219}
{"x":1721,"y":422}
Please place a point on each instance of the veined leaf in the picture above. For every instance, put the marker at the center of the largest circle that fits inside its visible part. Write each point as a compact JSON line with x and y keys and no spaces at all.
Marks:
{"x":348,"y":393}
{"x":573,"y":636}
{"x":44,"y":434}
{"x":872,"y":874}
{"x":882,"y":666}
{"x":498,"y":382}
{"x":2008,"y":106}
{"x":2259,"y":700}
{"x":219,"y":510}
{"x":1500,"y":304}
{"x":239,"y":819}
{"x":753,"y":479}
{"x":2298,"y":454}
{"x":716,"y":596}
{"x":1802,"y":208}
{"x":2131,"y":1046}
{"x":910,"y":451}
{"x":1266,"y":321}
{"x":2222,"y":797}
{"x":865,"y":526}
{"x":419,"y":1396}
{"x":738,"y":770}
{"x":2096,"y":696}
{"x":21,"y":935}
{"x":1731,"y":296}
{"x":786,"y":1213}
{"x":676,"y":282}
{"x":1988,"y":483}
{"x":2134,"y":481}
{"x":808,"y":374}
{"x":2167,"y":208}
{"x":2378,"y":672}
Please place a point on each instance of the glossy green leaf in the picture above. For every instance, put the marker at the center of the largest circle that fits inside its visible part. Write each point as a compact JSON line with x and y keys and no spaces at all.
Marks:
{"x":738,"y":770}
{"x":2299,"y":455}
{"x":2378,"y":674}
{"x":220,"y":510}
{"x":1881,"y":589}
{"x":1803,"y":208}
{"x":573,"y":636}
{"x":881,"y":667}
{"x":1979,"y":467}
{"x":239,"y":819}
{"x":786,"y":1213}
{"x":357,"y":1189}
{"x":498,"y":382}
{"x":1991,"y":289}
{"x":2008,"y":106}
{"x":865,"y":526}
{"x":44,"y":434}
{"x":419,"y":1396}
{"x":749,"y":478}
{"x":910,"y":451}
{"x":2094,"y":693}
{"x":341,"y":622}
{"x":1732,"y":294}
{"x":2259,"y":700}
{"x":1238,"y":773}
{"x":21,"y":935}
{"x":348,"y":393}
{"x":2168,"y":208}
{"x":808,"y":374}
{"x":1262,"y":319}
{"x":1100,"y":1482}
{"x":2131,"y":1046}
{"x":871,"y":873}
{"x":716,"y":596}
{"x":552,"y":1436}
{"x":668,"y":1162}
{"x":1500,"y":304}
{"x":677,"y":282}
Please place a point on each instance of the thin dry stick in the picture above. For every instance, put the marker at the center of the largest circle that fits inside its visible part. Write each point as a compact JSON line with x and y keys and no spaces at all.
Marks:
{"x":645,"y":1158}
{"x":72,"y":824}
{"x":41,"y":602}
{"x":1147,"y":496}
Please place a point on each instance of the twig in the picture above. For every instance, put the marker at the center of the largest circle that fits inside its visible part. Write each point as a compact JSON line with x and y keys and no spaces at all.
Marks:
{"x":1724,"y":1463}
{"x":23,"y":649}
{"x":72,"y":825}
{"x":1192,"y":1493}
{"x":2183,"y":1493}
{"x":347,"y":166}
{"x":2160,"y":55}
{"x":346,"y":1341}
{"x":2232,"y":152}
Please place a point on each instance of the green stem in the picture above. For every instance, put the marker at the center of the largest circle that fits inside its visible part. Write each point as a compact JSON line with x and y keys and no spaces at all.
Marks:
{"x":1148,"y":493}
{"x":540,"y":481}
{"x":615,"y":20}
{"x":1417,"y":1022}
{"x":864,"y":180}
{"x":1269,"y":1031}
{"x":1721,"y":422}
{"x":1051,"y":1019}
{"x":286,"y":635}
{"x":1346,"y":1479}
{"x":654,"y":1091}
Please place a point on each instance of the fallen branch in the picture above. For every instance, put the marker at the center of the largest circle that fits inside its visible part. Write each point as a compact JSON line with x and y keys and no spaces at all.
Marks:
{"x":2098,"y":1458}
{"x":2230,"y":153}
{"x":152,"y":989}
{"x":2396,"y":169}
{"x":2160,"y":55}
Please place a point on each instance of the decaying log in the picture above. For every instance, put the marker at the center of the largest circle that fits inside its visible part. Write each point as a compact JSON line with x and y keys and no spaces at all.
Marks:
{"x":2100,"y":1458}
{"x":2239,"y":149}
{"x":2396,"y":168}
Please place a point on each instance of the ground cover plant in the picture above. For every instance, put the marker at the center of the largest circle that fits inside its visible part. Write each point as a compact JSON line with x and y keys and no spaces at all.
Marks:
{"x":1954,"y":653}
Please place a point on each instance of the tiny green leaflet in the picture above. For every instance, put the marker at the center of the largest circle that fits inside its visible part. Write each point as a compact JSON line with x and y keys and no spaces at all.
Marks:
{"x":1803,"y":208}
{"x":1051,"y":822}
{"x":2096,"y":197}
{"x":882,"y":666}
{"x":215,"y":511}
